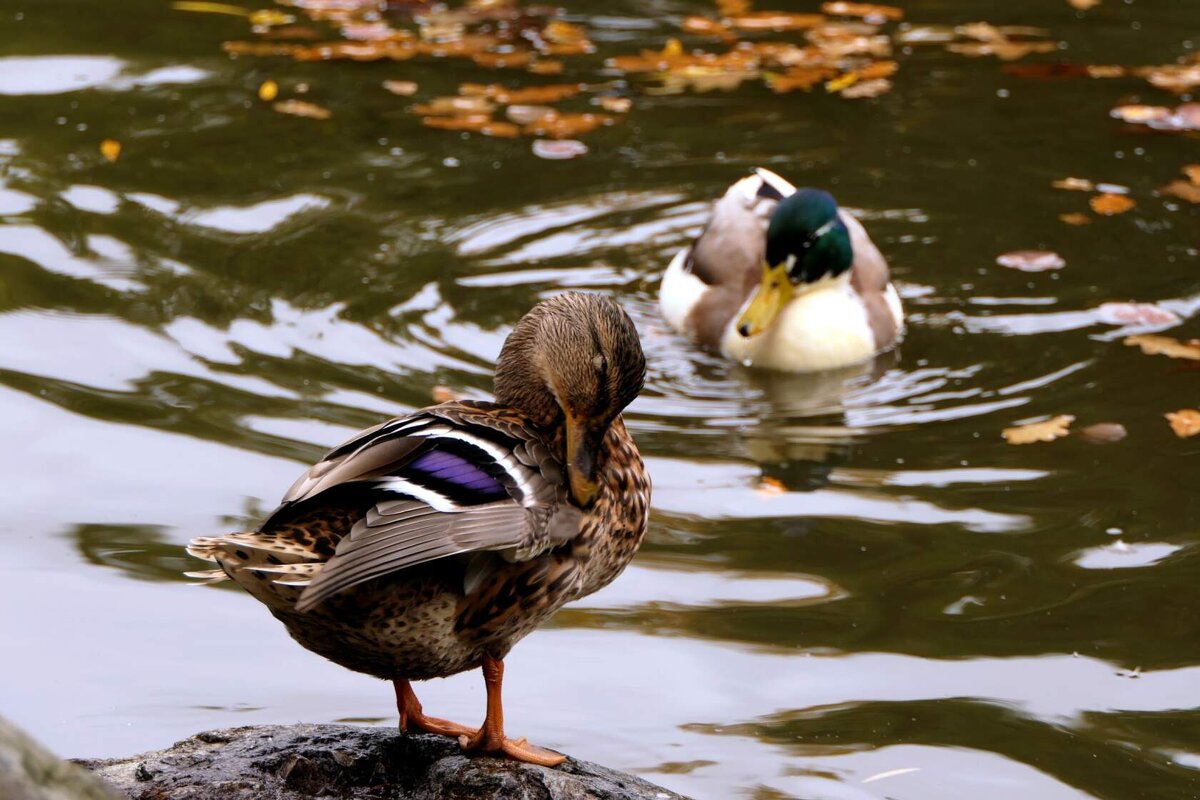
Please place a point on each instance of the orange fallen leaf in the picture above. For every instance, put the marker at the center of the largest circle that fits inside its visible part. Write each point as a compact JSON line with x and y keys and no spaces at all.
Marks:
{"x":1153,"y":345}
{"x":518,"y":58}
{"x":871,"y":88}
{"x":775,"y":21}
{"x":402,"y":88}
{"x":530,"y":95}
{"x":865,"y":10}
{"x":732,"y":8}
{"x":525,"y":115}
{"x":1047,"y":431}
{"x":1031,"y":260}
{"x":1076,"y":218}
{"x":1193,"y":173}
{"x":268,"y":91}
{"x":799,"y":78}
{"x":567,"y":126}
{"x":1140,"y":114}
{"x":1083,"y":5}
{"x":561,"y":32}
{"x":1185,"y":422}
{"x":1109,"y":204}
{"x":1173,"y":77}
{"x":617,"y":105}
{"x":1184,"y":190}
{"x":454,"y":105}
{"x":1105,"y":71}
{"x":770,"y":487}
{"x":299,"y":108}
{"x":110,"y":149}
{"x":706,"y":26}
{"x":546,"y":67}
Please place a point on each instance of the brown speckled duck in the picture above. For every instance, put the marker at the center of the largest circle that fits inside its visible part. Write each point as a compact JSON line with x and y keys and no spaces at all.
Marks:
{"x":430,"y":544}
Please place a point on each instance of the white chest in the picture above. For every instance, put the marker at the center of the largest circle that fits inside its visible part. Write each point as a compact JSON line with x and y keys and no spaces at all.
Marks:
{"x":822,"y":328}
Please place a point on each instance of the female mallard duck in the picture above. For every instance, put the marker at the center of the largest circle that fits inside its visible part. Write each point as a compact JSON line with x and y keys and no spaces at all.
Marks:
{"x":782,"y":278}
{"x":430,"y":544}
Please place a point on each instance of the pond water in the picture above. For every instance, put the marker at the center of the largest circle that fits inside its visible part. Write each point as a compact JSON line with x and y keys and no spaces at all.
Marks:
{"x":852,"y":586}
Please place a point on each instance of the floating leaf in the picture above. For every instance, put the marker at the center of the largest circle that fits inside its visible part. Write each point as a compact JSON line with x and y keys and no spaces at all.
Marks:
{"x":110,"y":149}
{"x":533,"y":95}
{"x":525,"y":115}
{"x":1031,"y":260}
{"x":402,"y":88}
{"x":567,"y":126}
{"x":544,"y":67}
{"x":732,"y":8}
{"x":1076,"y":218}
{"x":1074,"y":184}
{"x":455,"y":105}
{"x":300,"y":108}
{"x":1103,"y":433}
{"x":268,"y":91}
{"x":558,"y":150}
{"x":1165,"y":346}
{"x":561,"y":32}
{"x":704,"y":26}
{"x":519,"y":58}
{"x":1140,"y":114}
{"x":799,"y":78}
{"x":617,"y":105}
{"x":775,"y":21}
{"x":871,"y":88}
{"x":1109,"y":204}
{"x":1047,"y":431}
{"x":210,"y":8}
{"x":1004,"y":50}
{"x":1135,"y":314}
{"x":270,"y":18}
{"x":1083,"y":5}
{"x":770,"y":487}
{"x":1173,"y":77}
{"x":865,"y":10}
{"x":1185,"y":422}
{"x":1184,"y":190}
{"x":1193,"y":173}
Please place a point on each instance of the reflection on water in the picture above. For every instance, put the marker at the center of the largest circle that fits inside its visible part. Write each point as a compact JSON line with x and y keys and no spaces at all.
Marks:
{"x":852,"y":587}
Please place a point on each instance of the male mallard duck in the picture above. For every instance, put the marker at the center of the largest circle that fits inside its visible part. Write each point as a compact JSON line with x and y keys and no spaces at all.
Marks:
{"x":430,"y":544}
{"x":782,"y":278}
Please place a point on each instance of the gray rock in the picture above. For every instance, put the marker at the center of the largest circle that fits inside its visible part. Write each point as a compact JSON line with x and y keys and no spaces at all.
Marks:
{"x":29,"y":771}
{"x":336,"y":762}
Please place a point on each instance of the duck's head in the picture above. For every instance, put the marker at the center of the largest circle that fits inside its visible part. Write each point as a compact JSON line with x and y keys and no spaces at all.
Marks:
{"x":573,"y":362}
{"x":807,"y":243}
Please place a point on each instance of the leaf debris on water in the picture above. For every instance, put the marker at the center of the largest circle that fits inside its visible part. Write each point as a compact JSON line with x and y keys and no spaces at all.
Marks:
{"x":559,"y":149}
{"x":1103,"y":433}
{"x":1046,"y":431}
{"x":110,"y":149}
{"x":402,"y":88}
{"x":1185,"y":422}
{"x":1153,"y":345}
{"x":1075,"y":218}
{"x":1109,"y":204}
{"x":268,"y":90}
{"x":1032,"y":260}
{"x":301,"y":108}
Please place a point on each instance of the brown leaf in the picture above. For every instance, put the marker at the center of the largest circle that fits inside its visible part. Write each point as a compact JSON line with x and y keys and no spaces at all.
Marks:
{"x":299,"y":108}
{"x":1103,"y":433}
{"x":865,"y":10}
{"x":1076,"y":218}
{"x":775,"y":21}
{"x":567,"y":126}
{"x":546,"y":67}
{"x":799,"y":78}
{"x":454,"y":105}
{"x":110,"y":149}
{"x":1185,"y":422}
{"x":1031,"y":260}
{"x":1109,"y":204}
{"x":1153,"y":345}
{"x":531,"y":95}
{"x":1184,"y":190}
{"x":1193,"y":173}
{"x":1047,"y":431}
{"x":402,"y":88}
{"x":1135,"y":314}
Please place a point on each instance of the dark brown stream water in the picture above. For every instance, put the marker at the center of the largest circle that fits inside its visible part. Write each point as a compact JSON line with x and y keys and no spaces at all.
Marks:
{"x":915,"y":609}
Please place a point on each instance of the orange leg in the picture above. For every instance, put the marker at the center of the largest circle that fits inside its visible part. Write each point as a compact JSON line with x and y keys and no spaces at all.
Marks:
{"x":490,"y":738}
{"x":412,"y":718}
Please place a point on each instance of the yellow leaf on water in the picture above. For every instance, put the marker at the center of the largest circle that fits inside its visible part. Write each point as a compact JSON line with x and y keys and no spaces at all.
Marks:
{"x":1075,"y":218}
{"x":1153,"y":345}
{"x":209,"y":8}
{"x":1047,"y":431}
{"x":1185,"y":422}
{"x":842,"y":82}
{"x":1184,"y":190}
{"x":299,"y":108}
{"x":268,"y":91}
{"x":270,"y":17}
{"x":110,"y":149}
{"x":1110,"y":204}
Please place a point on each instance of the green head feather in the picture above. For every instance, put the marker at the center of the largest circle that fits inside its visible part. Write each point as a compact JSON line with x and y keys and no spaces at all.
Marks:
{"x":806,"y":228}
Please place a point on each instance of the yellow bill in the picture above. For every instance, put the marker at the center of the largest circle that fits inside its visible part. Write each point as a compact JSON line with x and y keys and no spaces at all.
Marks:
{"x":772,"y":295}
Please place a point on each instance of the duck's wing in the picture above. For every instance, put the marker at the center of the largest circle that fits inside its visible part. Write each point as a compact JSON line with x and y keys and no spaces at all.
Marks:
{"x":452,"y":479}
{"x":727,"y":255}
{"x":871,"y":280}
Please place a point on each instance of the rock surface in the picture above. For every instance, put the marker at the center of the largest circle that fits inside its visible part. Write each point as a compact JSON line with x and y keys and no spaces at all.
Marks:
{"x":332,"y":762}
{"x":29,"y":771}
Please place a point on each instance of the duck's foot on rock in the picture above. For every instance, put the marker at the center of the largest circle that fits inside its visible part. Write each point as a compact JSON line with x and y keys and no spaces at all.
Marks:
{"x":516,"y":749}
{"x":301,"y":762}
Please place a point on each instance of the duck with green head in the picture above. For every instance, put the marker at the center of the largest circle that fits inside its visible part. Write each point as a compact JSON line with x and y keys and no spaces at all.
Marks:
{"x":782,"y":278}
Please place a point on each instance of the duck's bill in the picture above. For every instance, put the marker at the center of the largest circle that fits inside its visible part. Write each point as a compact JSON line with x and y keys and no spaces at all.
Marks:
{"x":772,"y":295}
{"x":581,"y":463}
